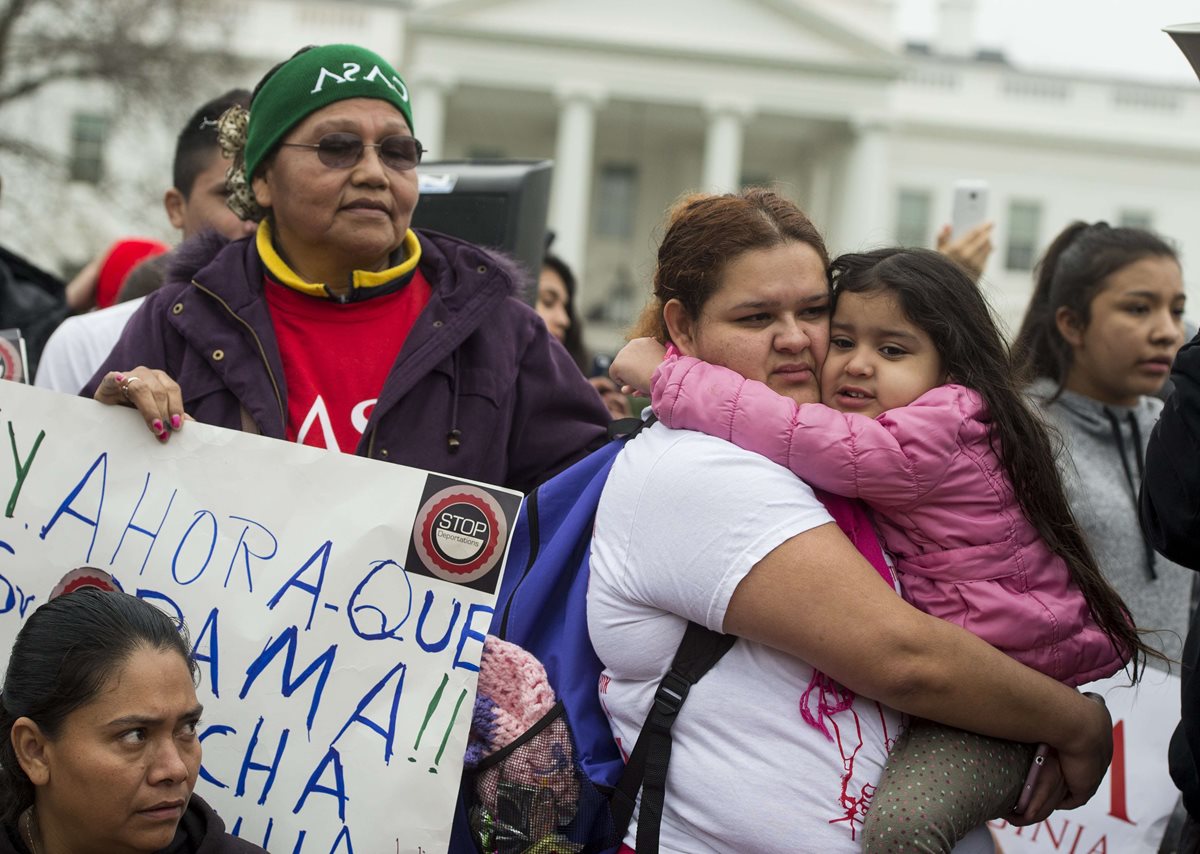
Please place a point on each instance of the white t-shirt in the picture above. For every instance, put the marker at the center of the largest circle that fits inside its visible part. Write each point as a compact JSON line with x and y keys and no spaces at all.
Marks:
{"x":80,"y":345}
{"x":682,"y":520}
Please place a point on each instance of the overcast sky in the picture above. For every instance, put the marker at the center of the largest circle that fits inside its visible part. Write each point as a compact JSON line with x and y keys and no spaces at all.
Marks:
{"x":1103,"y":36}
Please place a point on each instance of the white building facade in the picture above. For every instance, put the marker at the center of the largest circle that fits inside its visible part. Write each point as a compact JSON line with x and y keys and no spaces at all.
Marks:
{"x":640,"y":101}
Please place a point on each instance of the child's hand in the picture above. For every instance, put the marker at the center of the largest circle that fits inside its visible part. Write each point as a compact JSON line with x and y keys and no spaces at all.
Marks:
{"x":635,"y":364}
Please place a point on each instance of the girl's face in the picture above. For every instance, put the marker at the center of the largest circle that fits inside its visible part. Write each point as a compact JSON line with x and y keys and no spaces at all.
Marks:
{"x":1136,"y":327}
{"x":878,"y":359}
{"x":552,"y":301}
{"x":119,"y":774}
{"x":768,"y":320}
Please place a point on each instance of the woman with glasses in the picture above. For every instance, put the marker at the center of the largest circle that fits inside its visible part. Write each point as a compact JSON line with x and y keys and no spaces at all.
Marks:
{"x":336,"y":324}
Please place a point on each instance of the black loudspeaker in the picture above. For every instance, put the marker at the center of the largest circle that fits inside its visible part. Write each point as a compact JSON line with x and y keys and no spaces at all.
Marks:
{"x":500,"y":204}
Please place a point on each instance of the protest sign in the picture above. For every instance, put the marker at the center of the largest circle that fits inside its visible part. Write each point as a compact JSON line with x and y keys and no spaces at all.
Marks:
{"x":1129,"y":813}
{"x":337,"y":606}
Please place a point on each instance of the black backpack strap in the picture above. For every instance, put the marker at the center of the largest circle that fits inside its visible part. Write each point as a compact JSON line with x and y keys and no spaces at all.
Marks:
{"x":627,"y":428}
{"x":646,"y":770}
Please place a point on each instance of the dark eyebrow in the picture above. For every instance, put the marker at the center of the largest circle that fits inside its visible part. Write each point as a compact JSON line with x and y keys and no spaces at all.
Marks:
{"x":774,"y":303}
{"x":880,"y":333}
{"x":897,"y":333}
{"x":147,"y":720}
{"x":1153,"y":296}
{"x":390,"y":127}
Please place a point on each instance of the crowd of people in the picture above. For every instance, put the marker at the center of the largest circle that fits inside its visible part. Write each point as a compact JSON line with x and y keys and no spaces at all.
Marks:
{"x":793,"y":392}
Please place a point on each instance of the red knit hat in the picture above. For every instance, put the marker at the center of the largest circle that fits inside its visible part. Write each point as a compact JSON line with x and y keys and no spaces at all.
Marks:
{"x":122,"y":257}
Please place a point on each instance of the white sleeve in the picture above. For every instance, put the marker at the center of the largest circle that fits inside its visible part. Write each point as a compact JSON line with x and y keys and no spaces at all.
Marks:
{"x":685,"y":517}
{"x":58,"y":365}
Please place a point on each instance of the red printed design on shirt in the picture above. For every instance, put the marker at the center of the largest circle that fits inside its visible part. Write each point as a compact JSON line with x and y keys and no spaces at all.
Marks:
{"x":855,"y":797}
{"x":336,"y":357}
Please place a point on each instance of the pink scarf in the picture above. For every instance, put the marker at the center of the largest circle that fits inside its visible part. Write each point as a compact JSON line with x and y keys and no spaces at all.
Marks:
{"x":851,"y":516}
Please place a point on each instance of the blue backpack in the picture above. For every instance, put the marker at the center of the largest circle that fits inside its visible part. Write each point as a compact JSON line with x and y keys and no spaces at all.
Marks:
{"x":542,"y":607}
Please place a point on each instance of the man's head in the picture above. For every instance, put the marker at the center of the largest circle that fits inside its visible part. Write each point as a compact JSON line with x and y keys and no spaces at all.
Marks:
{"x":197,"y":200}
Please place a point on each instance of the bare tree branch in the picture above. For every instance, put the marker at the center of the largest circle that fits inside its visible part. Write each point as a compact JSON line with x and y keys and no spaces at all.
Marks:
{"x":136,"y":46}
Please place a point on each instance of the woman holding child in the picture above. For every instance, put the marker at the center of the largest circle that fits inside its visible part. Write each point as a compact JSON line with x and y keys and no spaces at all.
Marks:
{"x":693,"y":527}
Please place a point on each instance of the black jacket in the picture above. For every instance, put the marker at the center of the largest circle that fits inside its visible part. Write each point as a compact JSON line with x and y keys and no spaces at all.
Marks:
{"x":201,"y":831}
{"x":1170,"y":513}
{"x":31,"y":300}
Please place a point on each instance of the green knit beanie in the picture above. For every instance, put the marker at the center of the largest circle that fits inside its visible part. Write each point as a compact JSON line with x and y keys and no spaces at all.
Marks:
{"x":314,"y":79}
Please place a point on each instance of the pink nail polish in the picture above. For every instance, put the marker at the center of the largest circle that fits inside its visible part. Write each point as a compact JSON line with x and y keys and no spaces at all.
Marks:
{"x":119,"y":378}
{"x":162,"y":437}
{"x":157,"y":426}
{"x":176,"y":421}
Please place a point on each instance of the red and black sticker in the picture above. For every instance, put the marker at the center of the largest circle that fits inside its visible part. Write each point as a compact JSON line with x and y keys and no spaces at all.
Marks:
{"x":85,"y":576}
{"x":461,"y":533}
{"x":12,"y":367}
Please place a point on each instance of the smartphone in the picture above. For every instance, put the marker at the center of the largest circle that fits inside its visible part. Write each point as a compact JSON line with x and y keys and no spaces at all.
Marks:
{"x":970,"y":205}
{"x":1035,"y":768}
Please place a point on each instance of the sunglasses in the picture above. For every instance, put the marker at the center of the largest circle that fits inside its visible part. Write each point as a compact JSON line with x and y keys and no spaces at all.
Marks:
{"x":343,"y":150}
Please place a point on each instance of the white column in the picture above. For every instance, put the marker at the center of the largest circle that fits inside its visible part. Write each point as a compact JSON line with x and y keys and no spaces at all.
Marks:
{"x":429,"y":92}
{"x":571,"y":192}
{"x":723,"y":147}
{"x":865,"y":204}
{"x":818,"y":203}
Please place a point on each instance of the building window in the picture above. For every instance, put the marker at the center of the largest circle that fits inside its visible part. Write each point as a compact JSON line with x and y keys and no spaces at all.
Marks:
{"x":1135,"y":218}
{"x":1024,"y":223}
{"x":616,"y":201}
{"x":89,"y":132}
{"x":912,"y":217}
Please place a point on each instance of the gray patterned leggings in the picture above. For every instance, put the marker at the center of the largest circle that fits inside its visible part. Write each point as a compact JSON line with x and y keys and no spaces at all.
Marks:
{"x":941,"y":783}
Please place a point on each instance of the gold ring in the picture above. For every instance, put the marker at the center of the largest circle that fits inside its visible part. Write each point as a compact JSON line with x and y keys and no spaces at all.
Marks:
{"x":126,"y":383}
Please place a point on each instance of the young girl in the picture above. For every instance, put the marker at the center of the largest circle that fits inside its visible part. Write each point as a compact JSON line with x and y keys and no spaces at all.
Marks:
{"x":921,"y":418}
{"x":1103,"y":326}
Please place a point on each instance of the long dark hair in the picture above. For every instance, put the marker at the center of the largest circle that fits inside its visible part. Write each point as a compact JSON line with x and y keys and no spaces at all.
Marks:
{"x":573,"y":338}
{"x":704,"y":233}
{"x":937,"y":296}
{"x":1069,"y":275}
{"x":63,"y":657}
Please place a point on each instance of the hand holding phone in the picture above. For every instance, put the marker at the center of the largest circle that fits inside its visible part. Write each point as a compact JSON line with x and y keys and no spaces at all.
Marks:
{"x":970,"y":206}
{"x":1035,"y":770}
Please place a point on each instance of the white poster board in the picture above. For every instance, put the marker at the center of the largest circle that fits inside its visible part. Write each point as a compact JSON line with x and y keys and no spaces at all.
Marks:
{"x":1129,"y":812}
{"x":337,"y":606}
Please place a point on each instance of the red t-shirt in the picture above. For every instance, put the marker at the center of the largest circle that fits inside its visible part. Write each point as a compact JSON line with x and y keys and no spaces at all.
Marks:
{"x":336,"y":357}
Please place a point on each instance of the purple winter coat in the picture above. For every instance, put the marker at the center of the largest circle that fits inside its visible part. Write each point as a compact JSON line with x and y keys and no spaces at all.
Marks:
{"x":944,"y":506}
{"x":477,"y":361}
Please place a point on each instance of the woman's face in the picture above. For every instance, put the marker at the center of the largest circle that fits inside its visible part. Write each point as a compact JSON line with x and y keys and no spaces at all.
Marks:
{"x":350,"y":218}
{"x":552,"y":301}
{"x":1136,"y":327}
{"x":120,"y":772}
{"x":768,"y":320}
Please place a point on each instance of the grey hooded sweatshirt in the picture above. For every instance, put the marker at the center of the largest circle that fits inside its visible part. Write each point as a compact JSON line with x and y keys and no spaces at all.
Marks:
{"x":1102,"y":471}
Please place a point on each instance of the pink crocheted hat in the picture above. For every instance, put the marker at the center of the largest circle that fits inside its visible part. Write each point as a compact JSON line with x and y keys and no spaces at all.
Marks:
{"x":514,"y":694}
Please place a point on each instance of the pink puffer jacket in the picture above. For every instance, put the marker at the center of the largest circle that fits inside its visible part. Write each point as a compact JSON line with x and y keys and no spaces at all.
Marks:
{"x":945,"y":507}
